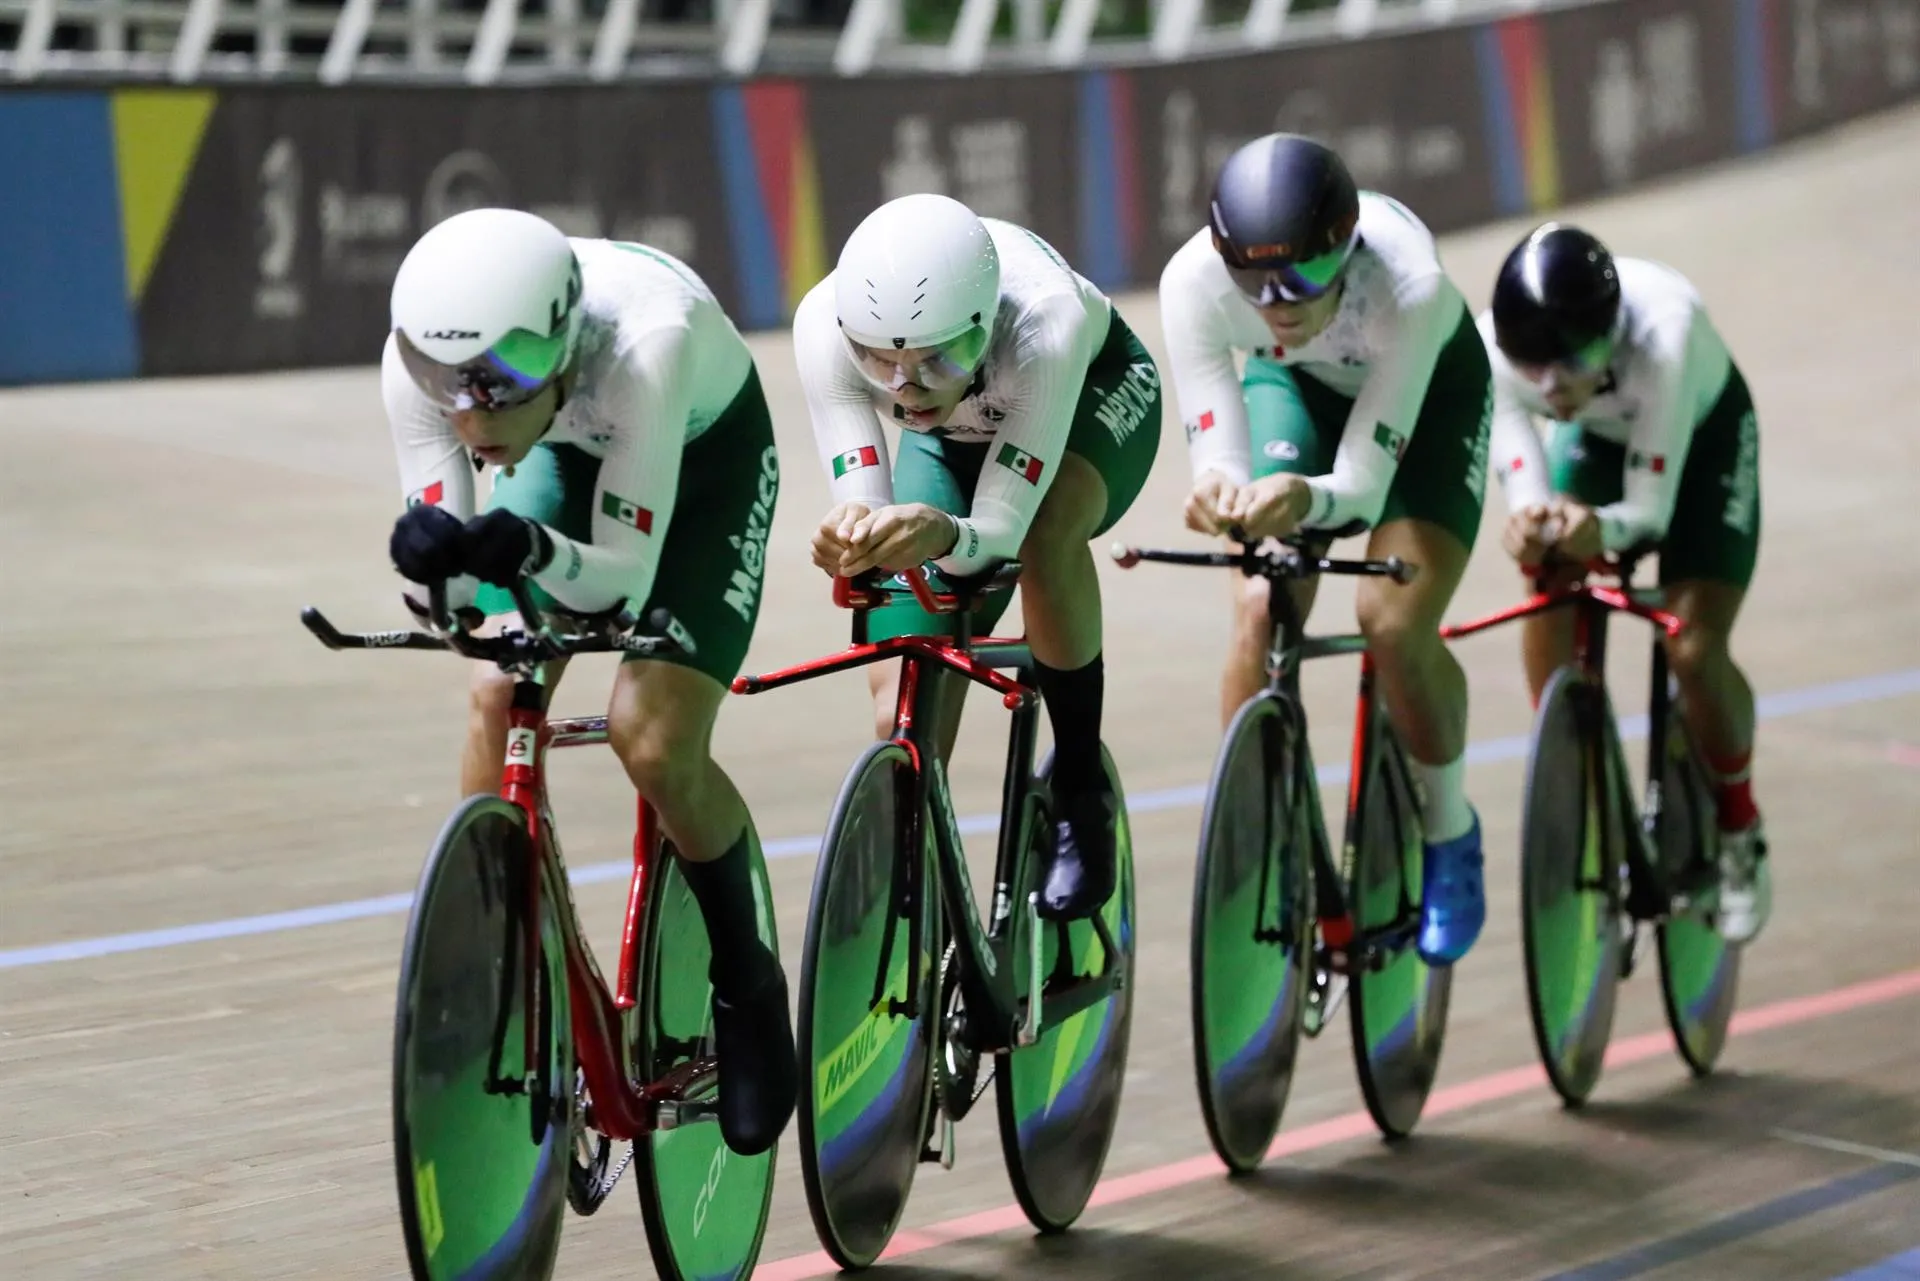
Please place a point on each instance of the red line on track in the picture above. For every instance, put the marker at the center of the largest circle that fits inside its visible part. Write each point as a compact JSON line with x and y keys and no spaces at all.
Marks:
{"x":1356,"y":1125}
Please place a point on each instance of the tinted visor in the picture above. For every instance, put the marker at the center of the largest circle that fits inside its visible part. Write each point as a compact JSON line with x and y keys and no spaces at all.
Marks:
{"x":1269,"y":283}
{"x":511,"y":372}
{"x":1582,"y":362}
{"x":946,"y":367}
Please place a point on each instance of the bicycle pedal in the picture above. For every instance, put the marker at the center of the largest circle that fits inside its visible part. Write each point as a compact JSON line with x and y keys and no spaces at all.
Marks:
{"x":674,"y":1113}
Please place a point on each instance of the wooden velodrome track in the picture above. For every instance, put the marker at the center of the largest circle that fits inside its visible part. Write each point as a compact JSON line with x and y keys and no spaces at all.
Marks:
{"x":209,"y":1099}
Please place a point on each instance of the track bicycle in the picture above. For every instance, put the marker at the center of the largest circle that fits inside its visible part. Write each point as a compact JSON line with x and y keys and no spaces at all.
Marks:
{"x":909,"y":1002}
{"x":1595,"y":865}
{"x":517,"y":1069}
{"x":1281,"y":932}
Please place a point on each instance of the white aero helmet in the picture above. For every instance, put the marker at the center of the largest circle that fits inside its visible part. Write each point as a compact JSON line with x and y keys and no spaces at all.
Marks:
{"x":486,"y":309}
{"x":918,"y":273}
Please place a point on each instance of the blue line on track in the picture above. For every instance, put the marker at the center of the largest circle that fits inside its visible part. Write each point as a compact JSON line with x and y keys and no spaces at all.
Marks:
{"x":1746,"y":1223}
{"x":1813,"y":698}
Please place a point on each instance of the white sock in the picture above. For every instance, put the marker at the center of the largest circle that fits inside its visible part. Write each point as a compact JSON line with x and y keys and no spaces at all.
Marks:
{"x":1443,"y":797}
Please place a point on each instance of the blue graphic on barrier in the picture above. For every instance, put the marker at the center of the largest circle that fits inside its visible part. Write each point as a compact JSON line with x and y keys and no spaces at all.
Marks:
{"x":63,"y":279}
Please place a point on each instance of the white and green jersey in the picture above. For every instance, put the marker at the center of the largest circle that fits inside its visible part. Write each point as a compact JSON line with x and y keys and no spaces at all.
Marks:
{"x":1668,"y":368}
{"x":657,"y":362}
{"x":1397,"y":310}
{"x":1050,"y":324}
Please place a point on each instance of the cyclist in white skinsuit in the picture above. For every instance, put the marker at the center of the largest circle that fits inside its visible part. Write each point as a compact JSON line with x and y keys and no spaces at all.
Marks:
{"x":1030,"y":417}
{"x":1652,"y":441}
{"x":637,"y":467}
{"x":1364,"y":403}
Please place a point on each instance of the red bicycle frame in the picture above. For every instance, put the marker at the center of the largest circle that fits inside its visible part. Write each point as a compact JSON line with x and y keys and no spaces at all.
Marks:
{"x":1587,"y":637}
{"x":620,"y":1109}
{"x":964,"y":657}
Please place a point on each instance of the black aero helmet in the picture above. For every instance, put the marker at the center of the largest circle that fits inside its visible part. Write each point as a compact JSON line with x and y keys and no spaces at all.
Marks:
{"x":1285,"y":215}
{"x":1556,"y":299}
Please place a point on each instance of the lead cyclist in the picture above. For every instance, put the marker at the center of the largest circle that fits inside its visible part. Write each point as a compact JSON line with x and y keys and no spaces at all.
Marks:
{"x":1651,"y":441}
{"x":636,"y":466}
{"x":1029,"y":416}
{"x":1364,"y":403}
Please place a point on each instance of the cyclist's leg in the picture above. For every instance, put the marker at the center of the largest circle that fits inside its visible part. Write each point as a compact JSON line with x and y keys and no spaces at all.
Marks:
{"x":1111,"y":446}
{"x":940,"y":473}
{"x":660,"y":723}
{"x":1431,"y":516}
{"x":553,"y":484}
{"x":1295,"y":424}
{"x":1706,"y":563}
{"x":1587,"y":469}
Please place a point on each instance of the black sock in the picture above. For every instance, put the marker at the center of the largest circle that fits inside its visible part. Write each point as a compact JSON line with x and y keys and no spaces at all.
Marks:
{"x":1073,"y":700}
{"x":724,"y":890}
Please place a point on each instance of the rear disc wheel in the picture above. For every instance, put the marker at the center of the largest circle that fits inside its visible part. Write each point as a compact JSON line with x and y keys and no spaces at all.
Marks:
{"x":704,"y":1204}
{"x":1699,"y":970}
{"x":1059,"y":1097}
{"x":1398,"y":1009}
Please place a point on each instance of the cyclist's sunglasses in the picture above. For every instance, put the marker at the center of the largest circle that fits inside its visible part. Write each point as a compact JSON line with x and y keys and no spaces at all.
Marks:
{"x":510,"y":373}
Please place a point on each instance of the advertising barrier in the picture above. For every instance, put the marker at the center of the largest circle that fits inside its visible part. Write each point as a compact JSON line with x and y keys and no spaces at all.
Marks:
{"x":192,"y":231}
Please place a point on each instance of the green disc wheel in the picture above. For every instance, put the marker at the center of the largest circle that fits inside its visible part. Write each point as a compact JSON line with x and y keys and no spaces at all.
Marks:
{"x":1699,"y":970}
{"x":1573,"y":842}
{"x":1059,"y":1097}
{"x":1251,"y":936}
{"x":868,"y":1011}
{"x":481,"y":1121}
{"x":705,"y":1205}
{"x":1398,"y":1005}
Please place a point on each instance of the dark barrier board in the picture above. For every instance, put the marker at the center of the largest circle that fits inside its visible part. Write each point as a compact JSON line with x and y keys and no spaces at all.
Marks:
{"x":1406,"y":113}
{"x":302,"y":202}
{"x":269,"y":237}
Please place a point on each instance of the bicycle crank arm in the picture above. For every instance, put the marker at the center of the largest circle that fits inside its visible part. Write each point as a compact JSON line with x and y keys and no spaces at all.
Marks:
{"x":944,"y":1153}
{"x":1077,"y":994}
{"x":1029,"y":1030}
{"x":1329,"y":989}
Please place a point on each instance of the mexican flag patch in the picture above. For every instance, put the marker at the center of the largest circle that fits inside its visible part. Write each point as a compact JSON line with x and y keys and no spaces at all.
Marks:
{"x":854,"y":460}
{"x":1641,"y":461}
{"x":428,"y":497}
{"x":1019,"y":460}
{"x":629,"y":514}
{"x":1390,"y":440}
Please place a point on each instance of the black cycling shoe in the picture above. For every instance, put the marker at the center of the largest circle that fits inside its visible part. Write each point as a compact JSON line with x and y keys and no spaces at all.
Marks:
{"x":759,"y":1074}
{"x":1080,"y":879}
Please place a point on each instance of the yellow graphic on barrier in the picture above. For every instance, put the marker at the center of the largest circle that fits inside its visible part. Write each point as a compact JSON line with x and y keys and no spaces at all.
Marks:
{"x":806,"y":240}
{"x":1543,"y":155}
{"x":156,"y":136}
{"x":426,"y":1195}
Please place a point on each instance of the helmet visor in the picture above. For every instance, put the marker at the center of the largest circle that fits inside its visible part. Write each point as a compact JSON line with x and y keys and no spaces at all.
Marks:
{"x":1583,"y":362}
{"x":511,"y":372}
{"x":946,"y":367}
{"x":1268,"y":284}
